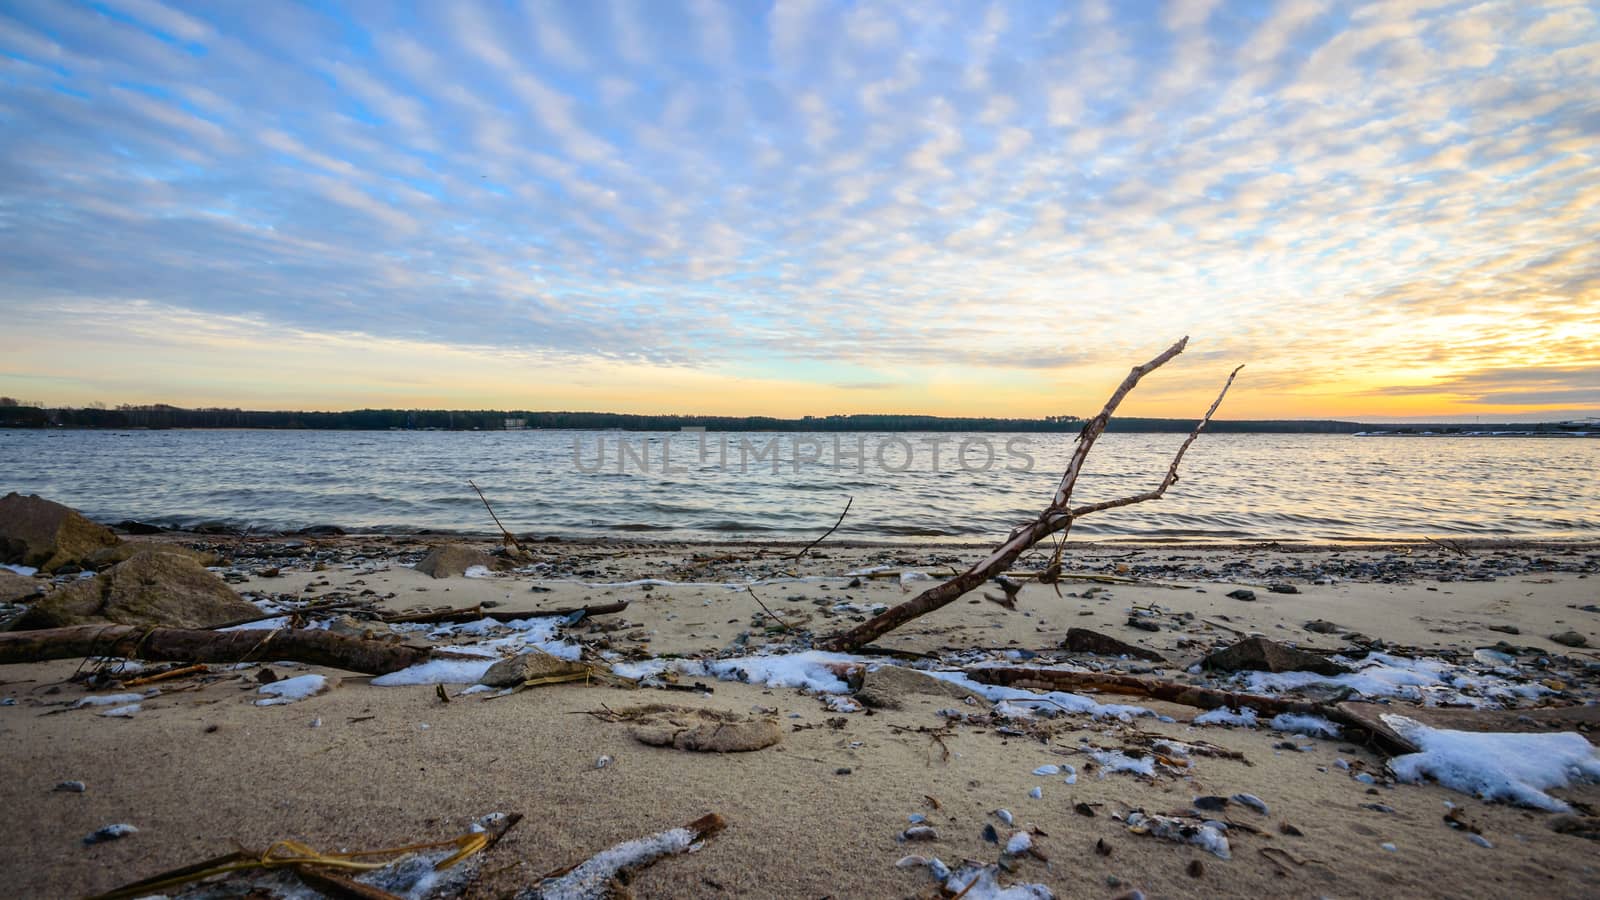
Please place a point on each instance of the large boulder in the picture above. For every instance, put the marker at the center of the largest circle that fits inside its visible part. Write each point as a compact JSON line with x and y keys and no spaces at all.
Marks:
{"x":455,"y":559}
{"x":45,"y":535}
{"x":14,"y":587}
{"x":1258,"y":654}
{"x":149,"y":588}
{"x":110,"y":556}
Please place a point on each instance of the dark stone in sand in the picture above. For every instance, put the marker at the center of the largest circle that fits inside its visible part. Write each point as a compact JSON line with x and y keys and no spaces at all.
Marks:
{"x":1283,"y":588}
{"x":1242,"y":594}
{"x":1505,"y":629}
{"x":150,"y":588}
{"x":323,"y":530}
{"x":45,"y":535}
{"x":132,"y":527}
{"x":1258,"y":654}
{"x":1570,"y":639}
{"x":1083,"y":640}
{"x":1142,"y":624}
{"x":1321,"y":626}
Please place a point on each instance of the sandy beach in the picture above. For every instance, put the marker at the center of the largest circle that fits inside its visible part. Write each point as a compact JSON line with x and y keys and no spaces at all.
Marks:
{"x":823,"y":812}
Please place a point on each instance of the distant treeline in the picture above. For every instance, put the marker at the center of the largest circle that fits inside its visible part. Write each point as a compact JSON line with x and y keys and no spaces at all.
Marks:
{"x":163,"y":416}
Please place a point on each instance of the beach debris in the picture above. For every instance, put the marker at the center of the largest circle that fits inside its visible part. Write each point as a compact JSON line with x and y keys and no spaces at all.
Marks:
{"x":1181,"y":829}
{"x":922,"y":833}
{"x":312,"y":646}
{"x":1259,"y":654}
{"x":1005,"y":816}
{"x":1019,"y":843}
{"x":1084,"y":640}
{"x":507,"y":538}
{"x":446,"y":560}
{"x":1142,"y":624}
{"x":1282,"y":587}
{"x":1196,"y":868}
{"x":1113,"y":761}
{"x":1496,"y":766}
{"x":1050,"y":769}
{"x":45,"y":535}
{"x":1570,"y":639}
{"x":70,"y":787}
{"x":290,"y":690}
{"x":121,"y":712}
{"x":698,"y":730}
{"x":421,"y":870}
{"x":1242,"y":594}
{"x":1037,"y":793}
{"x":1321,"y":626}
{"x":1057,"y":516}
{"x":850,"y":499}
{"x":602,"y":761}
{"x":596,"y":877}
{"x":149,"y":588}
{"x":974,"y":881}
{"x":109,"y":833}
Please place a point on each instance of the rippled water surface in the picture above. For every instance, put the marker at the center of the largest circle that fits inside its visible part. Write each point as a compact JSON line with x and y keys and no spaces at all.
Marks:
{"x":1316,"y":487}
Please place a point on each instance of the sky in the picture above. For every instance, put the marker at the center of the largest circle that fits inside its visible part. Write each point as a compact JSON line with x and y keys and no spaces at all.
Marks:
{"x":1382,"y":210}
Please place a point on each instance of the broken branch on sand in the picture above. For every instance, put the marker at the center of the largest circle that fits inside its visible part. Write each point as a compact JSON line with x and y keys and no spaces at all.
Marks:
{"x":305,"y":645}
{"x":595,"y":878}
{"x":474,"y":613}
{"x":848,"y":500}
{"x":1058,"y":516}
{"x":509,"y":539}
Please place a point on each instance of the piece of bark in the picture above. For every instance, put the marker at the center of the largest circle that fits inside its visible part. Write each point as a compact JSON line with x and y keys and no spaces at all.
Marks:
{"x":305,"y":645}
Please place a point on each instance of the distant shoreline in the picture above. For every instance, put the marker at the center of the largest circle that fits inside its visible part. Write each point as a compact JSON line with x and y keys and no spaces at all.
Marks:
{"x":161,"y":417}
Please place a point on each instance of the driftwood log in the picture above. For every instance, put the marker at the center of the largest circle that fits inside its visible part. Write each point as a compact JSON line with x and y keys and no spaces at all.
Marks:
{"x":304,"y":645}
{"x":474,"y":613}
{"x":1058,"y":516}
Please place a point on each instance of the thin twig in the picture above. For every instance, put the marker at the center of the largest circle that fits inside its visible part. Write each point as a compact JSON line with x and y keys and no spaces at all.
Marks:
{"x":775,"y":616}
{"x":510,"y":541}
{"x":849,"y":500}
{"x":1452,"y":546}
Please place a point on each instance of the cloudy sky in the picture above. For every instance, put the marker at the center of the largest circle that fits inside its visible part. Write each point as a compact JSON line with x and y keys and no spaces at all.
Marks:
{"x":803,"y":206}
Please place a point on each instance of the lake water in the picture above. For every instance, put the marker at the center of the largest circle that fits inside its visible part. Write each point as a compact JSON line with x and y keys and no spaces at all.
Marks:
{"x":685,"y":485}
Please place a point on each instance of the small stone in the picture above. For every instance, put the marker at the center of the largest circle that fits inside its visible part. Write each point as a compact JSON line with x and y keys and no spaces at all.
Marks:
{"x":1242,"y":594}
{"x":1037,"y":793}
{"x":1389,"y":847}
{"x":920,"y":833}
{"x":1196,"y":868}
{"x":71,"y":787}
{"x":842,"y":770}
{"x":1481,"y":841}
{"x":1102,"y":848}
{"x":1283,"y":588}
{"x":108,"y":833}
{"x":1570,"y":639}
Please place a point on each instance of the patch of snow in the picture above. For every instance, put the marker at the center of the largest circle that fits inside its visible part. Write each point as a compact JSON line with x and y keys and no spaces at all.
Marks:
{"x":107,"y":700}
{"x":477,"y":572}
{"x":1021,"y":842}
{"x":25,"y":571}
{"x":1117,"y":761}
{"x":974,"y":882}
{"x":437,"y":671}
{"x":1311,"y":726}
{"x":1245,"y":717}
{"x":1505,"y":766}
{"x":122,"y":712}
{"x":1052,"y":701}
{"x":289,"y":690}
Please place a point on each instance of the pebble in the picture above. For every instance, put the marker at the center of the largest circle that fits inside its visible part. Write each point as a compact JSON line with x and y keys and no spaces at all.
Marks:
{"x":1019,"y":843}
{"x":1481,"y":841}
{"x":917,"y":818}
{"x":1036,"y":793}
{"x":1242,"y":594}
{"x":1364,"y":778}
{"x":920,"y":833}
{"x":602,"y":762}
{"x":1004,"y":815}
{"x":1389,"y":847}
{"x":108,"y":833}
{"x":842,"y":770}
{"x":1047,"y":770}
{"x":990,"y":834}
{"x":72,"y":787}
{"x":1252,"y":801}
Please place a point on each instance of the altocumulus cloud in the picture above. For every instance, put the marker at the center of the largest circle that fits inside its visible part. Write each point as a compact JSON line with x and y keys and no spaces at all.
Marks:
{"x":1325,"y":189}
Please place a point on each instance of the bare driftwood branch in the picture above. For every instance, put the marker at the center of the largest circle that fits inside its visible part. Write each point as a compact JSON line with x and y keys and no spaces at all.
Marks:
{"x":510,"y":541}
{"x":1187,"y":695}
{"x":774,"y":616}
{"x":849,"y":500}
{"x":473,"y":613}
{"x":306,"y":645}
{"x":1058,"y":516}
